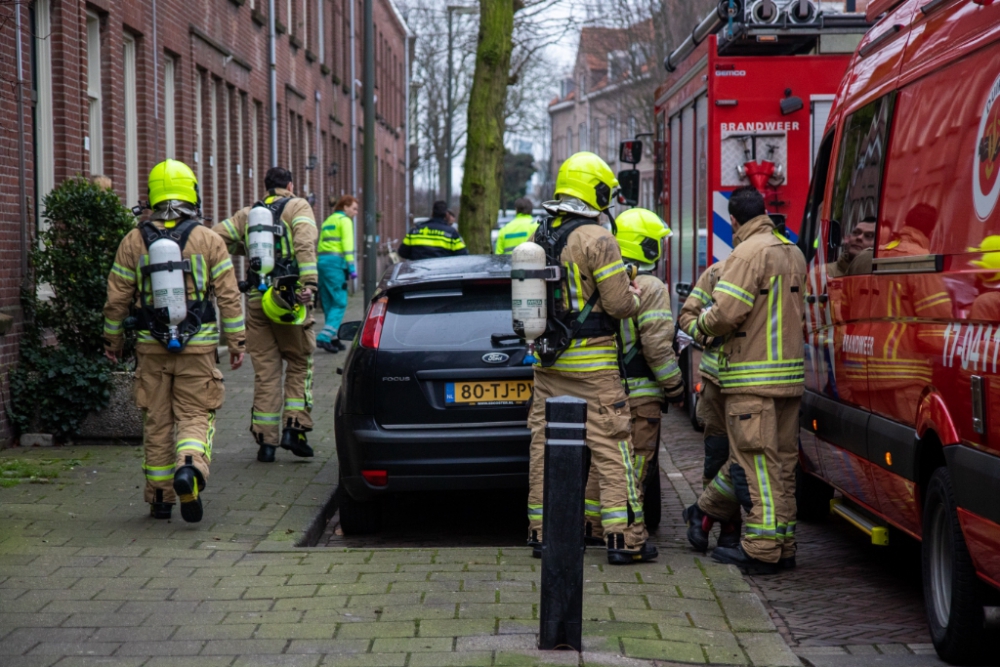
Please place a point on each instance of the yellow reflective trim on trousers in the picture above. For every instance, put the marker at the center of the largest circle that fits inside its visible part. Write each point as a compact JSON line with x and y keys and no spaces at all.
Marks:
{"x":158,"y":473}
{"x":633,"y":493}
{"x":210,"y":435}
{"x":534,"y":512}
{"x":722,"y":484}
{"x":640,"y":465}
{"x":614,"y":515}
{"x":735,"y":291}
{"x":191,"y":444}
{"x":591,"y":507}
{"x":764,"y":488}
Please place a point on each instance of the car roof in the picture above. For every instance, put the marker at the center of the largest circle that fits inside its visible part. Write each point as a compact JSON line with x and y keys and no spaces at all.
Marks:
{"x":445,"y":269}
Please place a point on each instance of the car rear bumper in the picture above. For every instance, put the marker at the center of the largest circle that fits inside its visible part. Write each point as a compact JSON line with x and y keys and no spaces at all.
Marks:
{"x":422,"y":459}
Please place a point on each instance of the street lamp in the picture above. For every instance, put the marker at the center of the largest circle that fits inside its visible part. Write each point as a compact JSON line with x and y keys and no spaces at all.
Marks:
{"x":456,"y":9}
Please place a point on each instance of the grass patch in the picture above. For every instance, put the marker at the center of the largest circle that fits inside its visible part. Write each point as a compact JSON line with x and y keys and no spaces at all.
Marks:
{"x":34,"y":471}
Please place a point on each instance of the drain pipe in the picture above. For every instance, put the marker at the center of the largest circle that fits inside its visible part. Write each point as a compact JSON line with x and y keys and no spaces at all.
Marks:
{"x":273,"y":80}
{"x":156,"y":90}
{"x":21,"y":166}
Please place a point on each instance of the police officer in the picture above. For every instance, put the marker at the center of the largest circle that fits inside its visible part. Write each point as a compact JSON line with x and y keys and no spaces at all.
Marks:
{"x":434,"y":238}
{"x":518,"y":230}
{"x":594,"y":294}
{"x":757,"y":312}
{"x":336,"y":265}
{"x":711,"y":408}
{"x":279,"y":326}
{"x":178,"y":388}
{"x":647,"y":347}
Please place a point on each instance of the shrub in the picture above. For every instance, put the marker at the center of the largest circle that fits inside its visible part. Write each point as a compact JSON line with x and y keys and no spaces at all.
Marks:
{"x":54,"y":387}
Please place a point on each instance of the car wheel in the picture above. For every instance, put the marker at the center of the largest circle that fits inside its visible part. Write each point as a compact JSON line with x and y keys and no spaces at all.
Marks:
{"x":812,"y":496}
{"x":359,"y":518}
{"x":651,"y":500}
{"x":953,"y":594}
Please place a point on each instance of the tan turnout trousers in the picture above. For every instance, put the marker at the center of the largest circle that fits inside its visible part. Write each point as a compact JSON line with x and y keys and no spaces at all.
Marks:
{"x":763,"y":437}
{"x":645,"y":439}
{"x":178,"y":395}
{"x":270,"y":344}
{"x":711,"y":411}
{"x":608,"y":424}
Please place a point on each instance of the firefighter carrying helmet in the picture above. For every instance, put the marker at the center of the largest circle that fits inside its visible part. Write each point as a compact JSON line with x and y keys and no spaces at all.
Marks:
{"x":172,"y":179}
{"x":990,"y":247}
{"x":640,"y":235}
{"x":279,"y":310}
{"x":588,"y":178}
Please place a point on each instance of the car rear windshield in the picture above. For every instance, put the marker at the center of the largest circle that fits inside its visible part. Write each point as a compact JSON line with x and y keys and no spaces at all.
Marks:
{"x":448,"y":318}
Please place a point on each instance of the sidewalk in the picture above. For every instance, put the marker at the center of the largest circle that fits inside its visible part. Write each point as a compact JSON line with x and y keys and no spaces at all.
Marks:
{"x":87,"y":579}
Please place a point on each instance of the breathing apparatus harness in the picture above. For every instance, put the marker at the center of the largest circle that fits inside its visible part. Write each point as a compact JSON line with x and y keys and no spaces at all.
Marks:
{"x":564,"y":325}
{"x":284,"y":277}
{"x":156,"y":320}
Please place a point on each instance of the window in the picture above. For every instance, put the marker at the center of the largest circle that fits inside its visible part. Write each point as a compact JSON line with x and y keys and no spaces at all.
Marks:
{"x":256,"y":113}
{"x":169,"y":113}
{"x":583,"y":137}
{"x":241,"y":104}
{"x":199,"y":121}
{"x":213,"y":143}
{"x":44,"y":140}
{"x":569,"y":141}
{"x":631,"y":127}
{"x":857,"y":189}
{"x":95,"y":140}
{"x":595,"y":137}
{"x":814,"y":203}
{"x":320,"y":30}
{"x":131,"y":122}
{"x":612,"y":139}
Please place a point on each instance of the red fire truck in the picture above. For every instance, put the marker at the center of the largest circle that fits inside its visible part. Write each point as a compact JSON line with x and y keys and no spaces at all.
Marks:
{"x":902,"y":233}
{"x":745,"y":102}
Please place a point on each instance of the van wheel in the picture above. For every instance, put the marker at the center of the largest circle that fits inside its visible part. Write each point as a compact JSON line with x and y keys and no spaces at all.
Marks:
{"x":651,"y":499}
{"x":359,"y":518}
{"x":812,"y":496}
{"x":953,"y":594}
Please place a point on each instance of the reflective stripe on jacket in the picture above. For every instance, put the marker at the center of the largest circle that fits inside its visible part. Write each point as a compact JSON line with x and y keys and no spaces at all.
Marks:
{"x":700,"y":299}
{"x":759,"y":304}
{"x":515,"y":232}
{"x":337,"y":236}
{"x":652,"y":328}
{"x":434,"y":238}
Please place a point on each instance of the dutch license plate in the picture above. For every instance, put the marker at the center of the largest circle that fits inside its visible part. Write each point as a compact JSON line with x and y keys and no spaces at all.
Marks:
{"x":498,"y":392}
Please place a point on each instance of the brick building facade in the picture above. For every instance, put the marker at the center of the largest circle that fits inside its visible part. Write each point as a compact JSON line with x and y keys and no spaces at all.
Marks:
{"x":113,"y":87}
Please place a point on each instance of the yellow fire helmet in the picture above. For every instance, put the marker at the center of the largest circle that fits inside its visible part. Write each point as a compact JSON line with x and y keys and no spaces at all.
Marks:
{"x":990,"y":247}
{"x":640,"y":235}
{"x":588,"y":178}
{"x":277,"y":309}
{"x":172,"y":179}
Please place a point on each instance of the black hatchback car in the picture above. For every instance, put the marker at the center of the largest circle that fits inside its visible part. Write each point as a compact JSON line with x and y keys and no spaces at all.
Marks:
{"x":435,"y":389}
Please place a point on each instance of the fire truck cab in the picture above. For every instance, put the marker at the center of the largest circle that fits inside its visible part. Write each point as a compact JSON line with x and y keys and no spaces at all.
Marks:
{"x":901,"y":230}
{"x":745,"y":102}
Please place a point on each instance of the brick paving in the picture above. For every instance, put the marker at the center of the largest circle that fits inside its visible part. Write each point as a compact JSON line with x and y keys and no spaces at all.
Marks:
{"x":87,"y":579}
{"x":847,"y":602}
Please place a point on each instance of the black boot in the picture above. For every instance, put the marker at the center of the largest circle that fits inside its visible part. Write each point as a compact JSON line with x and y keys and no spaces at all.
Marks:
{"x":329,"y":346}
{"x":266,"y":453}
{"x":590,"y":539}
{"x":619,"y":555}
{"x":699,"y":524}
{"x":746,"y":564}
{"x":729,"y":535}
{"x":188,"y":485}
{"x":787,"y":563}
{"x":294,"y":440}
{"x":159,"y":509}
{"x":535,"y":544}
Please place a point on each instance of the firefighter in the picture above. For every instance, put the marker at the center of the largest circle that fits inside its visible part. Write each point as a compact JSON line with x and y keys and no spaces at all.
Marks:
{"x":434,"y":238}
{"x":336,"y":267}
{"x":986,"y":306}
{"x":757,"y":313}
{"x":593,"y":295}
{"x":279,"y":325}
{"x":518,"y":230}
{"x":177,"y":385}
{"x":711,"y":405}
{"x":648,"y":356}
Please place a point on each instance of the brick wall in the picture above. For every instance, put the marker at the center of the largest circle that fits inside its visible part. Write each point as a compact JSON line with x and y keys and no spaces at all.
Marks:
{"x":220,"y":51}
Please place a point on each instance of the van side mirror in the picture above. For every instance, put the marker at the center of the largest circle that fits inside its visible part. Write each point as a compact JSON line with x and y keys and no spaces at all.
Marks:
{"x":628,"y":182}
{"x":348,"y":330}
{"x":683,"y":290}
{"x":790,"y":103}
{"x":630,"y":152}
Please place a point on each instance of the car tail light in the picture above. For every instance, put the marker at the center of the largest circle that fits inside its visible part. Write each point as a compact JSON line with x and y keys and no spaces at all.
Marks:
{"x":376,"y":477}
{"x":372,"y":332}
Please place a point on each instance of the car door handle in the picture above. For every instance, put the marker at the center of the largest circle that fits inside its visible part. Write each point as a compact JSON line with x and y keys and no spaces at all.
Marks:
{"x":510,"y":338}
{"x":823,"y":298}
{"x":811,"y":298}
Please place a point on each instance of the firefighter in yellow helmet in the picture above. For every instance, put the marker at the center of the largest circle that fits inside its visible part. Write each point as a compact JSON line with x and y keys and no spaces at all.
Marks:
{"x":280,"y":284}
{"x":647,"y":347}
{"x":986,"y":306}
{"x":593,"y":296}
{"x":177,"y":384}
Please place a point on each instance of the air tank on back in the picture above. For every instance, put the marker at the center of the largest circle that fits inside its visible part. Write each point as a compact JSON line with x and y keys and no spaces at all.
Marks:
{"x":260,"y":243}
{"x":169,"y":290}
{"x":528,"y":294}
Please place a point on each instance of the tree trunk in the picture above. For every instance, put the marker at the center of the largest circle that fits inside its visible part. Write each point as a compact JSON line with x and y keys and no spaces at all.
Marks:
{"x":483,"y":172}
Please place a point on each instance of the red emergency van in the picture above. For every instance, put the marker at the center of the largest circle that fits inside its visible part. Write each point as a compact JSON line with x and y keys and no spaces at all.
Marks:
{"x":902,"y":233}
{"x":745,"y":101}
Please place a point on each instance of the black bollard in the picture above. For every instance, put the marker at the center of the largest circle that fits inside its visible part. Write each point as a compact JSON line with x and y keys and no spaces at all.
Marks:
{"x":561,"y":612}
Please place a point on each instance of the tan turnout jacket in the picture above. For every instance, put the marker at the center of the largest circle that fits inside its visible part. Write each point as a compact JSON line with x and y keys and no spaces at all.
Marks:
{"x":592,"y":260}
{"x":212,"y":273}
{"x":758,"y":309}
{"x":652,"y":328}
